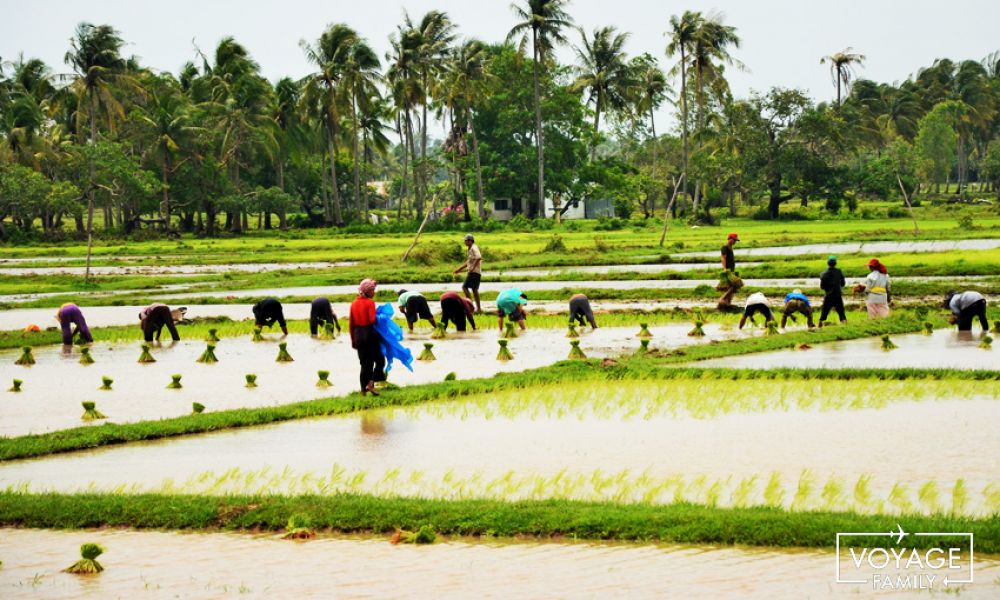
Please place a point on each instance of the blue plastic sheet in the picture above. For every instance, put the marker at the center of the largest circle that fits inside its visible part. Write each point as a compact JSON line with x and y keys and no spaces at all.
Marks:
{"x":392,"y":338}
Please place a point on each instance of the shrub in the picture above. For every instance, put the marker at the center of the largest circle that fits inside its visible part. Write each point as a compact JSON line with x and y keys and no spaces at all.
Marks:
{"x":555,"y":244}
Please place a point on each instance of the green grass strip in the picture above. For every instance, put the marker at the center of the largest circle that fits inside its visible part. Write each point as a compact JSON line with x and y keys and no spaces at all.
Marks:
{"x":674,"y":523}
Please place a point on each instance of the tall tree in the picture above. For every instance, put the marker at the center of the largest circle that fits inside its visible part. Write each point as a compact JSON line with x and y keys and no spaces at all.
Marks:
{"x":682,"y":33}
{"x":648,"y":91}
{"x":467,"y":81}
{"x":361,"y":74}
{"x":604,"y":73}
{"x":544,"y":21}
{"x":842,"y":66}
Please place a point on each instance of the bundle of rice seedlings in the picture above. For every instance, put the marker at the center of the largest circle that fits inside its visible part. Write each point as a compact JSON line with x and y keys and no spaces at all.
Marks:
{"x":90,"y":412}
{"x":257,"y":337}
{"x":644,"y":332}
{"x":146,"y":356}
{"x":697,"y":331}
{"x":921,"y":312}
{"x":324,"y":379}
{"x":106,"y":382}
{"x":643,"y":346}
{"x":213,"y":335}
{"x":986,"y":343}
{"x":451,"y":376}
{"x":439,"y":332}
{"x":427,"y":353}
{"x":572,"y":332}
{"x":887,"y":343}
{"x":509,"y":332}
{"x":928,"y":328}
{"x":175,"y":383}
{"x":298,"y":528}
{"x":425,"y":535}
{"x":283,"y":355}
{"x":504,"y":353}
{"x":85,"y":357}
{"x":251,"y":380}
{"x":329,"y":332}
{"x":197,"y":408}
{"x":208,"y":356}
{"x":87,"y":565}
{"x":574,"y":350}
{"x":729,"y":280}
{"x":771,"y":328}
{"x":16,"y":387}
{"x":27,"y":358}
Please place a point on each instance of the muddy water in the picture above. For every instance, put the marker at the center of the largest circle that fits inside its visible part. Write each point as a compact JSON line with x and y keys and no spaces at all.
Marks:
{"x":54,"y":387}
{"x":856,"y":248}
{"x":196,"y":565}
{"x":170,"y":269}
{"x":643,"y":453}
{"x":640,"y":268}
{"x":944,"y":349}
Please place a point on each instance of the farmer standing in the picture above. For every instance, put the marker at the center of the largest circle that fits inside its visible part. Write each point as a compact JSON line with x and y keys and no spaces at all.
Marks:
{"x":878,"y":289}
{"x":967,"y":306}
{"x":729,"y":272}
{"x":68,"y":315}
{"x":365,"y":339}
{"x":832,"y":282}
{"x":474,"y":265}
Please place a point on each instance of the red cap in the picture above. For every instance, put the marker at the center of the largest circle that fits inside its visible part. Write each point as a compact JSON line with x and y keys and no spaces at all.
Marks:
{"x":734,"y":236}
{"x":874,"y":262}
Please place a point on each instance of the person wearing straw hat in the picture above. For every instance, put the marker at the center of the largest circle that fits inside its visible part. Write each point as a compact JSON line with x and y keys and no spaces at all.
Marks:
{"x":365,"y":339}
{"x":832,"y":283}
{"x":878,"y":290}
{"x":729,"y":282}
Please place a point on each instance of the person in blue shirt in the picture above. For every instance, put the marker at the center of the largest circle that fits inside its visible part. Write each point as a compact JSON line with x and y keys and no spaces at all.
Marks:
{"x":509,"y":303}
{"x":797,"y":302}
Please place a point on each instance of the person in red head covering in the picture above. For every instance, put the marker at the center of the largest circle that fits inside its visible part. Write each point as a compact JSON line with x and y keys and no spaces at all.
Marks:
{"x":365,"y":339}
{"x":878,"y":290}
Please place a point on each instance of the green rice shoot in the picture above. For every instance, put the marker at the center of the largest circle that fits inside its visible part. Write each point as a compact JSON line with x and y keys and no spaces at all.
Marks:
{"x":283,"y":355}
{"x":146,"y":356}
{"x":175,"y":383}
{"x":439,"y":332}
{"x":88,"y":564}
{"x":208,"y":356}
{"x":572,"y":332}
{"x":504,"y":353}
{"x":986,"y":343}
{"x":427,"y":353}
{"x":27,"y":358}
{"x":197,"y":408}
{"x":90,"y":412}
{"x":106,"y":382}
{"x":928,"y":328}
{"x":575,"y":351}
{"x":15,"y":385}
{"x":298,"y":528}
{"x":509,"y":332}
{"x":698,"y":330}
{"x":771,"y":328}
{"x":452,"y":376}
{"x":643,"y":346}
{"x":85,"y":357}
{"x":887,"y":344}
{"x":213,"y":335}
{"x":324,"y":379}
{"x":257,"y":337}
{"x":329,"y":331}
{"x":644,"y":332}
{"x":251,"y":380}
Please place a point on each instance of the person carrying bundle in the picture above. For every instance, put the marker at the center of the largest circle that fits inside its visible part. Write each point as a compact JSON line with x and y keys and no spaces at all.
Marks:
{"x":414,"y":306}
{"x":832,"y":283}
{"x":321,"y":312}
{"x":579,"y":309}
{"x":965,"y":307}
{"x":153,"y":318}
{"x":71,"y":321}
{"x":756,"y":304}
{"x":509,"y":303}
{"x":267,"y":312}
{"x":729,"y":281}
{"x":456,"y":309}
{"x":797,"y":302}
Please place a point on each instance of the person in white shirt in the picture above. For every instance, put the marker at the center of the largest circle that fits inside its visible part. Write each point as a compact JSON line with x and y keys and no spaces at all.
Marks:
{"x":967,"y":306}
{"x":756,"y":303}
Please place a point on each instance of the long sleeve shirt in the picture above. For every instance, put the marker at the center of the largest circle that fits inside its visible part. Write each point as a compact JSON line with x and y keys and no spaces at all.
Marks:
{"x":362,"y":314}
{"x":832,"y":281}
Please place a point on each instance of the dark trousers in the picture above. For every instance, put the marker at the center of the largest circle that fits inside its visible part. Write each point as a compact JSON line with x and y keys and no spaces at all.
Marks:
{"x":320,"y":311}
{"x":833,"y":303}
{"x":974,"y":310}
{"x":367,"y":343}
{"x":153,"y":325}
{"x":453,"y":311}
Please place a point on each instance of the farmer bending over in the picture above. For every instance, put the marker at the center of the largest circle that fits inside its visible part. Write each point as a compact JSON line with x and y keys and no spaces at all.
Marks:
{"x":579,"y":309}
{"x":68,"y":315}
{"x":797,"y":302}
{"x":413,"y":305}
{"x":267,"y":312}
{"x":320,"y":312}
{"x":153,"y":318}
{"x":756,"y":304}
{"x":509,"y":303}
{"x":965,"y":307}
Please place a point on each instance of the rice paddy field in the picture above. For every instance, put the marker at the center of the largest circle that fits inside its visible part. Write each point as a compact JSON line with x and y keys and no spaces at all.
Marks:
{"x":674,"y":454}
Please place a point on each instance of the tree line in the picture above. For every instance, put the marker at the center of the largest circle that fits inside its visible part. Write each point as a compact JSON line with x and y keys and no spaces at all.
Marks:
{"x":217,"y":147}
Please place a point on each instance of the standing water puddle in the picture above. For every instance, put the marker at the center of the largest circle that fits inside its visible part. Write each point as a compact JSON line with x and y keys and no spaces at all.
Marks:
{"x":791,"y":444}
{"x":198,"y":565}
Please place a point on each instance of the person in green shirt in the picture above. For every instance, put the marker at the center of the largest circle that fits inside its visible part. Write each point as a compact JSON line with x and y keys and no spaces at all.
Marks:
{"x":509,"y":303}
{"x":414,"y":306}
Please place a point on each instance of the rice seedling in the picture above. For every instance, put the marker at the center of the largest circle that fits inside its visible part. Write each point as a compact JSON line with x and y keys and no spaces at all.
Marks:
{"x":213,"y":335}
{"x":208,"y":356}
{"x":427,"y":353}
{"x":87,"y":565}
{"x":887,"y":343}
{"x":929,"y":496}
{"x":439,"y":332}
{"x":899,"y":496}
{"x":16,"y":386}
{"x":509,"y":331}
{"x":197,"y":408}
{"x":803,"y":492}
{"x":771,"y":328}
{"x":644,"y":332}
{"x":863,"y":491}
{"x":257,"y":337}
{"x":572,"y":332}
{"x":329,"y":331}
{"x":90,"y":412}
{"x":85,"y":357}
{"x":959,"y":498}
{"x":575,"y":351}
{"x":175,"y":382}
{"x":146,"y":356}
{"x":298,"y":528}
{"x":986,"y":343}
{"x":697,"y":331}
{"x":504,"y":353}
{"x":106,"y":382}
{"x":283,"y":355}
{"x":251,"y":380}
{"x":324,"y":379}
{"x":452,"y":376}
{"x":424,"y":535}
{"x":832,"y":494}
{"x":27,"y":358}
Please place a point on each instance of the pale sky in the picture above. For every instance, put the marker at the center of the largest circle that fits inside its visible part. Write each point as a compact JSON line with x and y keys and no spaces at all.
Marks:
{"x":783,"y":40}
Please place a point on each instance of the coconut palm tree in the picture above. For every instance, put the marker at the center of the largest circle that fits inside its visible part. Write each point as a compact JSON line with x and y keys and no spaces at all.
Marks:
{"x":406,"y":92}
{"x":287,"y":95}
{"x":648,"y":90}
{"x":604,"y":73}
{"x":543,"y":21}
{"x":361,"y":75}
{"x":682,"y":33}
{"x":466,"y":82}
{"x":842,"y":66}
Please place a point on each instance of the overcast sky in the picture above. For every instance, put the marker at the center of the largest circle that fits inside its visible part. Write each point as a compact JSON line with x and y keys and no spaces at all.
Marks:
{"x":783,"y":40}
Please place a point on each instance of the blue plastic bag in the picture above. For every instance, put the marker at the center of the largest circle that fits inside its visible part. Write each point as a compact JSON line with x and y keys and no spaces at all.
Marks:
{"x":392,"y":337}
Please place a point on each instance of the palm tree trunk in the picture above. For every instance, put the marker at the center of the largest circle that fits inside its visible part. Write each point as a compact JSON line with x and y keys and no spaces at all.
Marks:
{"x":418,"y":203}
{"x":838,"y":86}
{"x":684,"y":119}
{"x":354,"y":140}
{"x":479,"y":169}
{"x":652,"y":126}
{"x":539,"y":136}
{"x":90,"y":191}
{"x":403,"y":189}
{"x":165,"y":208}
{"x":422,"y":167}
{"x":597,"y":126}
{"x":337,"y":217}
{"x":327,"y":210}
{"x":699,"y":127}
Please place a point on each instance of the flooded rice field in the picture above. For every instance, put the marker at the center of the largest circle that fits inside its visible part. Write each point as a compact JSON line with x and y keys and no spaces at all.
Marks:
{"x":104,"y":271}
{"x":945,"y":349}
{"x":54,"y":387}
{"x":639,"y":268}
{"x":222,"y":565}
{"x":799,"y":445}
{"x":855,"y":248}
